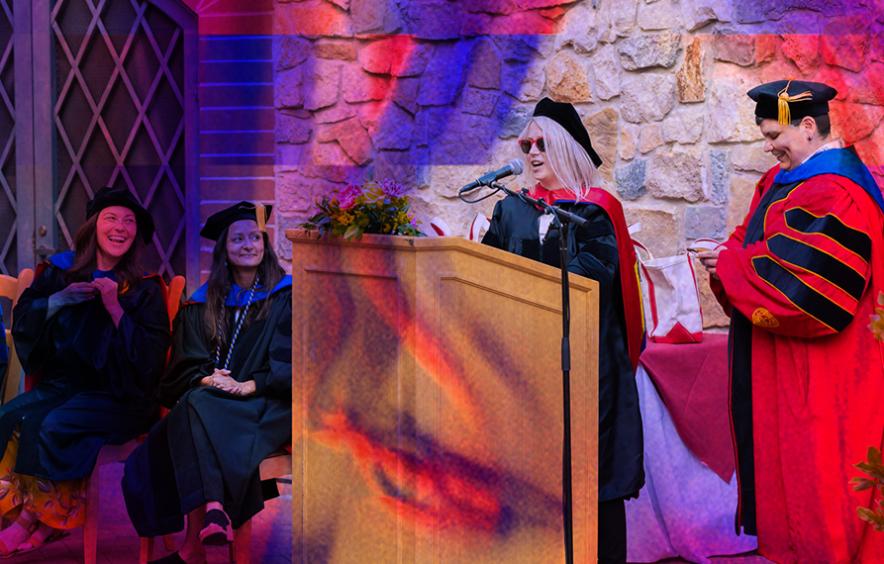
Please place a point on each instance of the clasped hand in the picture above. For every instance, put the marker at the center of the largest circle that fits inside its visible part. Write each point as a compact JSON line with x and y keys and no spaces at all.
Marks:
{"x":222,"y":380}
{"x":709,"y":259}
{"x":80,"y":292}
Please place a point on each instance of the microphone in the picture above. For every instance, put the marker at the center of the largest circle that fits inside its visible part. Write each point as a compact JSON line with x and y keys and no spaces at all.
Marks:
{"x":514,"y":167}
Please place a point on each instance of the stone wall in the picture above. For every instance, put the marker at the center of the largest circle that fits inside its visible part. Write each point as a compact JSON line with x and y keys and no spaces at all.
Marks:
{"x":433,"y":92}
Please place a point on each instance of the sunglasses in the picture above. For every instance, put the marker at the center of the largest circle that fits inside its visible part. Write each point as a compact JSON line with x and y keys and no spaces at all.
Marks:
{"x":525,"y":144}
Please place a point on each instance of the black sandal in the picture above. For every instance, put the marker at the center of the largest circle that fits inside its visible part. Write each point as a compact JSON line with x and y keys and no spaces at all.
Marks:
{"x":173,"y":558}
{"x":216,"y":528}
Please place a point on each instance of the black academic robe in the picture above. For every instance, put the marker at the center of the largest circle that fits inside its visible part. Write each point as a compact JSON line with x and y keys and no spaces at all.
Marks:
{"x":210,"y":445}
{"x":95,"y":382}
{"x":592,"y":252}
{"x":4,"y":351}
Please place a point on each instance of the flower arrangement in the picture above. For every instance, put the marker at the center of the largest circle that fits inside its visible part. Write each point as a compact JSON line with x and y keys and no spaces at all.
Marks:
{"x":874,"y":468}
{"x":373,"y":207}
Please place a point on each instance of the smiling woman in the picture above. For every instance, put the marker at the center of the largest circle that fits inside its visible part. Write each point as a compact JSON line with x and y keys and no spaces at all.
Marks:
{"x":94,"y":330}
{"x":228,"y":383}
{"x":793,"y":144}
{"x":245,"y":249}
{"x":800,"y":277}
{"x":790,"y":140}
{"x":564,"y":165}
{"x":116,"y":228}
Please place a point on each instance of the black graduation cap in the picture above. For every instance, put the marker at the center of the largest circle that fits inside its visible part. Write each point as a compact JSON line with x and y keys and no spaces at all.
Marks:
{"x":565,"y":115}
{"x":219,"y":221}
{"x":121,"y":196}
{"x":788,"y":100}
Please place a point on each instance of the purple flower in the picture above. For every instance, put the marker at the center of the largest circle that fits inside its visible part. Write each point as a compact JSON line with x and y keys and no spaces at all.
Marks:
{"x":347,"y":196}
{"x":393,"y":189}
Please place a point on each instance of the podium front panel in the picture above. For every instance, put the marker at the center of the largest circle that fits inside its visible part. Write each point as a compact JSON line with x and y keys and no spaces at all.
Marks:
{"x":427,"y":404}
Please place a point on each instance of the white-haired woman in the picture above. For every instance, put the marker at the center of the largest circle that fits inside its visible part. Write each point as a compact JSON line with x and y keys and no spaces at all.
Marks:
{"x":558,"y":152}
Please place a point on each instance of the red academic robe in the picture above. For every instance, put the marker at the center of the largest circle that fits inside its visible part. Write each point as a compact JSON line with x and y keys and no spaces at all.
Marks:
{"x":808,"y":285}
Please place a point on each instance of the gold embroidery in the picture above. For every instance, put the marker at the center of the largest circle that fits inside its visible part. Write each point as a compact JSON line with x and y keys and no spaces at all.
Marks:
{"x":763,"y":318}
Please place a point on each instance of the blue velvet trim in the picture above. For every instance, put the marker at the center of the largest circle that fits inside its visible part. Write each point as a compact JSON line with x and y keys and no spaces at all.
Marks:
{"x":238,"y":296}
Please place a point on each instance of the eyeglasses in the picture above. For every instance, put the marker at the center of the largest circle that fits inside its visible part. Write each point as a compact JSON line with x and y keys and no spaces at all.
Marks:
{"x":525,"y":144}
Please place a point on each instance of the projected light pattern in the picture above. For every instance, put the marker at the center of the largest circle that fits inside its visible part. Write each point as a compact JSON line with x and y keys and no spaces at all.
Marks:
{"x":447,"y":82}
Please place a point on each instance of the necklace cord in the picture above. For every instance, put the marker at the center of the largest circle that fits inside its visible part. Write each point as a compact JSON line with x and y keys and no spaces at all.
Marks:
{"x":239,"y":323}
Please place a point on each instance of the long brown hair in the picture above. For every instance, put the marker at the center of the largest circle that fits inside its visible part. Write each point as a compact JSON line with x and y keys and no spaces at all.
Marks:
{"x":127,"y":270}
{"x":220,"y":280}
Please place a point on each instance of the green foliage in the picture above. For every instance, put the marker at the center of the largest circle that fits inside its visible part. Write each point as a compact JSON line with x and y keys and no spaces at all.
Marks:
{"x":874,"y":468}
{"x":374,"y":207}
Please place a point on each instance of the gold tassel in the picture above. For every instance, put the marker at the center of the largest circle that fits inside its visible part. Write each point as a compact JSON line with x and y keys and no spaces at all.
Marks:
{"x":261,"y":216}
{"x":784,"y":114}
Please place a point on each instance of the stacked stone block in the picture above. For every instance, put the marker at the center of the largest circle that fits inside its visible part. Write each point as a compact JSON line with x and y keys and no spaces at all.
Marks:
{"x":384,"y":88}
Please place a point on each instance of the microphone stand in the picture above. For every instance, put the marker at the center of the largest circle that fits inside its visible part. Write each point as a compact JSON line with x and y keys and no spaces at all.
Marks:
{"x":563,"y":220}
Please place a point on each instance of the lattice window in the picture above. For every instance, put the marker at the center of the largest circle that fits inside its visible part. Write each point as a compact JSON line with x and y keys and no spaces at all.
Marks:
{"x":119,"y":116}
{"x":8,"y":223}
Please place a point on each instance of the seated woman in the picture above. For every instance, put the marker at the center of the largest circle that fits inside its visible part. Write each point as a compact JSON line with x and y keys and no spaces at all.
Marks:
{"x":231,"y":375}
{"x":94,"y":332}
{"x":562,"y":160}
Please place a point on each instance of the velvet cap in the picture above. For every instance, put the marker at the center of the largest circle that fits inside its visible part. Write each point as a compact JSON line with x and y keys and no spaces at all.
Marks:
{"x":120,"y":196}
{"x":565,"y":115}
{"x":788,"y":100}
{"x":219,"y":221}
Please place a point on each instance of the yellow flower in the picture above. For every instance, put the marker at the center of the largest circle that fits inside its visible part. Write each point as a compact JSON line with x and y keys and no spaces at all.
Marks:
{"x":343,"y":218}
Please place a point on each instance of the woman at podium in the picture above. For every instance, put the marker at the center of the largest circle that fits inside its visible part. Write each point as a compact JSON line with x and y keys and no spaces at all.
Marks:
{"x":229,"y":379}
{"x":558,"y":152}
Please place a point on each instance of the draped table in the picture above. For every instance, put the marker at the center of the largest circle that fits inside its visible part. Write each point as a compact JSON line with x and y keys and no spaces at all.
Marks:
{"x":687,"y":506}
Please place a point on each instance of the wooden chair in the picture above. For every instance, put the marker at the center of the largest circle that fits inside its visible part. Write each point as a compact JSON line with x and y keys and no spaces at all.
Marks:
{"x":111,"y":454}
{"x":277,"y":465}
{"x":12,"y":288}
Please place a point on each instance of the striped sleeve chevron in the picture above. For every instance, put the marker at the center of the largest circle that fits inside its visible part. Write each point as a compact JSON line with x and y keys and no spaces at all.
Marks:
{"x":807,"y":275}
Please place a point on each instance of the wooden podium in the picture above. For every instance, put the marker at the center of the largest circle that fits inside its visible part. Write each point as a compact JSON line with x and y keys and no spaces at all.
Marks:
{"x":427,"y":411}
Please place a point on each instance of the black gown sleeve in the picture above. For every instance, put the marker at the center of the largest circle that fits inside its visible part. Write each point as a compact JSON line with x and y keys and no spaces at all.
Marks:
{"x":493,"y":236}
{"x":276,"y":379}
{"x":594,"y":249}
{"x":131,"y":359}
{"x":190,"y":358}
{"x":29,"y":326}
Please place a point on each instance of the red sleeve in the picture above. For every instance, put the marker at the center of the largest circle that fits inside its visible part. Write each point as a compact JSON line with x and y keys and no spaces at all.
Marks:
{"x":736,"y":239}
{"x":805,"y":278}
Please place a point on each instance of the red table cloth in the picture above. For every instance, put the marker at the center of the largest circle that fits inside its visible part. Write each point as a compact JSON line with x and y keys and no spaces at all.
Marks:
{"x":692,"y":380}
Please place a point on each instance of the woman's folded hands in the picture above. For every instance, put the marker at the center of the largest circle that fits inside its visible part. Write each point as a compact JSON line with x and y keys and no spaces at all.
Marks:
{"x":222,"y":380}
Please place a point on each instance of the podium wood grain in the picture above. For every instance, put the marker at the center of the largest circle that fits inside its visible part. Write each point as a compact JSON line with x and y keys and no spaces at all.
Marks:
{"x":427,"y":403}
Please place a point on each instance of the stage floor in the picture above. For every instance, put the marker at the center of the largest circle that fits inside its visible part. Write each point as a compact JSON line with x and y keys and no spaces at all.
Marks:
{"x":271,"y":534}
{"x":118,"y":543}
